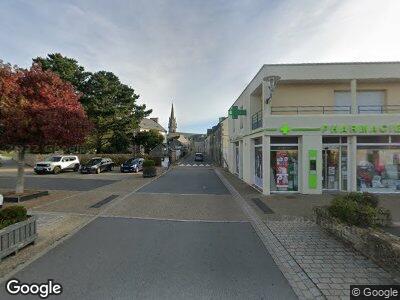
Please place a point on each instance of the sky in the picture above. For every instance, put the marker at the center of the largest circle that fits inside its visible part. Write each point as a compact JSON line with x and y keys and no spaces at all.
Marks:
{"x":198,"y":54}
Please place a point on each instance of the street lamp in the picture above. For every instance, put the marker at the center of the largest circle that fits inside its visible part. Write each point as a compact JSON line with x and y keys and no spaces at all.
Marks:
{"x":272,"y":82}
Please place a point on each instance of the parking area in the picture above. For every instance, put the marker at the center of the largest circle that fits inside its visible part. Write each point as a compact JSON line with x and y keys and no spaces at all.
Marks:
{"x":67,"y":181}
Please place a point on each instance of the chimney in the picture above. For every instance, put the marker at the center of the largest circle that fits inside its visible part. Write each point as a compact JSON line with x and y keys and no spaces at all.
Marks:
{"x":154,"y":119}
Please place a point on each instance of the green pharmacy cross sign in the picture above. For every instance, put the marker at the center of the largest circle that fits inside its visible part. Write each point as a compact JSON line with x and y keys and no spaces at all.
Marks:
{"x":235,"y":111}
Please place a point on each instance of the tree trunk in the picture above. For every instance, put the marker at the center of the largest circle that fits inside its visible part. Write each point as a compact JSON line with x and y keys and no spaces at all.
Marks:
{"x":20,"y":174}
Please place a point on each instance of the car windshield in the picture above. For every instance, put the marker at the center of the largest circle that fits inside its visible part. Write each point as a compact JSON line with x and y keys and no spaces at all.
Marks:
{"x":132,"y":161}
{"x":94,"y":161}
{"x":53,"y":158}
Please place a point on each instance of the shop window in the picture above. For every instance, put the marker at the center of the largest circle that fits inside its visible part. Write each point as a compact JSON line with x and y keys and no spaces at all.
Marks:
{"x":258,"y":167}
{"x":237,"y":158}
{"x":258,"y":141}
{"x":330,"y":140}
{"x":284,"y":168}
{"x":378,"y":169}
{"x":284,"y":140}
{"x":395,"y":139}
{"x":384,"y":139}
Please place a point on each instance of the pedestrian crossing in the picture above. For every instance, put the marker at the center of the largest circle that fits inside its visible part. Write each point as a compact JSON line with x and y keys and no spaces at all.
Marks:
{"x":194,"y":165}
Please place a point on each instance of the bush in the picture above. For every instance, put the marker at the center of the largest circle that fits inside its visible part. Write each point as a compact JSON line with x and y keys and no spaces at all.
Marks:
{"x":157,"y":160}
{"x":149,"y":169}
{"x":359,"y":209}
{"x":11,"y":215}
{"x":148,"y":163}
{"x":363,"y":198}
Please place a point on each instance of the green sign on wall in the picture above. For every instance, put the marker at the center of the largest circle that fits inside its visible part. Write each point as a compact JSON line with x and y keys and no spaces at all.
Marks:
{"x":235,"y":111}
{"x":342,"y":128}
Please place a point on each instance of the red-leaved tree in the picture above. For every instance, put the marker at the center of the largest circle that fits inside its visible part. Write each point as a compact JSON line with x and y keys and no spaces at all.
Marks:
{"x":38,"y":109}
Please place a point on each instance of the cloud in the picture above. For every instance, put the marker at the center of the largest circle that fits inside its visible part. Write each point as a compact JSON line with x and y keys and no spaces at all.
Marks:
{"x":199,"y":54}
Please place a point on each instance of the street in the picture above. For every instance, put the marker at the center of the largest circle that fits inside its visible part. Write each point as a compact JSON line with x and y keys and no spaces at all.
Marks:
{"x":180,"y":237}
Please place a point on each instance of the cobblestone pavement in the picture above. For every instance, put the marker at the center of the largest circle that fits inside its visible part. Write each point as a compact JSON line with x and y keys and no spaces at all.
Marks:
{"x":330,"y":265}
{"x":316,"y":265}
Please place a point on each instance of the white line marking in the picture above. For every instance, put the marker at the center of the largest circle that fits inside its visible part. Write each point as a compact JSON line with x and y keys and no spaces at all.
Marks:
{"x":175,"y":220}
{"x":175,"y":194}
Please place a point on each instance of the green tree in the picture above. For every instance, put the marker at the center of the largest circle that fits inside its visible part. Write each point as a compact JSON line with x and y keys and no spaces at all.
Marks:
{"x":148,"y":139}
{"x":112,"y":108}
{"x":67,"y":68}
{"x":110,"y":105}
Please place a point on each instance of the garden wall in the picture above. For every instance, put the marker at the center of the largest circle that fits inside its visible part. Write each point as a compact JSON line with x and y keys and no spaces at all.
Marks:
{"x":381,"y":247}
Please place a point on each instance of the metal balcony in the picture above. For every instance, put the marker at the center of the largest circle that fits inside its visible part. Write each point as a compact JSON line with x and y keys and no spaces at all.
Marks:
{"x":256,"y":120}
{"x":309,"y":109}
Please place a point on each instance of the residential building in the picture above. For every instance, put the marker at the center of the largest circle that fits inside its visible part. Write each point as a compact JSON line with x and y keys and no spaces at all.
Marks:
{"x":310,"y":128}
{"x":152,"y":124}
{"x":217,"y":143}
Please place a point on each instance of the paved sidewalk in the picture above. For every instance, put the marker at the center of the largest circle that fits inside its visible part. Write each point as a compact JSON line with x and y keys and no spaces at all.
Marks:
{"x":315,"y":264}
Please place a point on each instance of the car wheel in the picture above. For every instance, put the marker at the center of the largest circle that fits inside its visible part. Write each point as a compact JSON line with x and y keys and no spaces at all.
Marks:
{"x":56,"y":170}
{"x":98,"y":171}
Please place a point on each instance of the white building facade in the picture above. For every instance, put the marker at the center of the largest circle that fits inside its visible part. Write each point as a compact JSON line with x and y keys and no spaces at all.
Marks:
{"x":309,"y":128}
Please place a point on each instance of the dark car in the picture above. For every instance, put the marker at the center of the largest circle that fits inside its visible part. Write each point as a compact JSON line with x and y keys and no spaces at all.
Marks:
{"x":199,"y":157}
{"x":97,"y":165}
{"x":132,"y":165}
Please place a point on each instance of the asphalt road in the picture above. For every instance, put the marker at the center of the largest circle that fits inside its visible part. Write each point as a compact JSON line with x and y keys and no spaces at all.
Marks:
{"x":187,"y":181}
{"x":190,"y":160}
{"x":133,"y":258}
{"x":49,"y":182}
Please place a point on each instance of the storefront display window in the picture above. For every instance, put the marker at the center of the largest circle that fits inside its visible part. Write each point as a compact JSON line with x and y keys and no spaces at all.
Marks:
{"x":378,"y":169}
{"x":237,"y":158}
{"x":258,"y":165}
{"x":284,"y":168}
{"x":334,"y":163}
{"x":343,"y":158}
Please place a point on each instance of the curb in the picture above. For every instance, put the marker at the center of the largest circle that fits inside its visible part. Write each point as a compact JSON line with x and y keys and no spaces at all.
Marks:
{"x":293,"y":272}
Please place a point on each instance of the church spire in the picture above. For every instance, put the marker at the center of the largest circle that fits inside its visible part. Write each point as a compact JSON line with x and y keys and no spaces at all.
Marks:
{"x":172,"y":121}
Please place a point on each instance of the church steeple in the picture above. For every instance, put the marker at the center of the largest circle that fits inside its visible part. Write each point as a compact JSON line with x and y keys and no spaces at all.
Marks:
{"x":172,"y":121}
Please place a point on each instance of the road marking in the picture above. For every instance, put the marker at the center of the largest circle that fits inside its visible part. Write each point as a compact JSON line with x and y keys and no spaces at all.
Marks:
{"x":176,"y":194}
{"x":194,"y":165}
{"x":174,"y":220}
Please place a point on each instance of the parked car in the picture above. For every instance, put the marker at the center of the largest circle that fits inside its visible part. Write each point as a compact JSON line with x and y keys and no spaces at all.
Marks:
{"x":57,"y":164}
{"x":132,"y":165}
{"x":97,"y":165}
{"x":199,"y":157}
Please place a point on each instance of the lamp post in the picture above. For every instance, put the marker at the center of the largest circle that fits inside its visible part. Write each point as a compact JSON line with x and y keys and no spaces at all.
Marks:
{"x":272,"y":82}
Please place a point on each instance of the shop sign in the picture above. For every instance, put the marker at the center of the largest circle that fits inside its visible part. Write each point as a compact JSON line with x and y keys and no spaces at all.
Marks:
{"x":340,"y":128}
{"x":235,"y":111}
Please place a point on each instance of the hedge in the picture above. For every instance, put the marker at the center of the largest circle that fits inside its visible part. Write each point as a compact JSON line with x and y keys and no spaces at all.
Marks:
{"x":11,"y":215}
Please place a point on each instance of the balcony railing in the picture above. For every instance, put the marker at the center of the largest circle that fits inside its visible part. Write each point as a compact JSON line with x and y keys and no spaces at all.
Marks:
{"x":256,"y":120}
{"x":378,"y":109}
{"x":310,"y":109}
